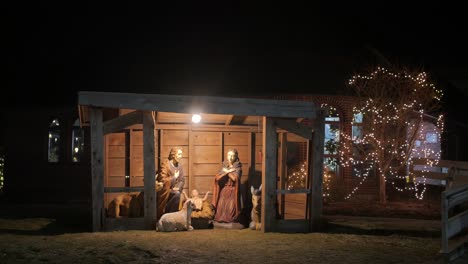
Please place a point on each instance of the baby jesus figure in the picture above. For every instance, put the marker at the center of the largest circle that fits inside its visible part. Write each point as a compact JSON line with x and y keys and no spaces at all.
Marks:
{"x":203,"y":212}
{"x":196,"y":200}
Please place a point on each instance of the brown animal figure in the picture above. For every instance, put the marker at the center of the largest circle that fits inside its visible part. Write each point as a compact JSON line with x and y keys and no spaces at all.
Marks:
{"x":256,"y":214}
{"x":129,"y":204}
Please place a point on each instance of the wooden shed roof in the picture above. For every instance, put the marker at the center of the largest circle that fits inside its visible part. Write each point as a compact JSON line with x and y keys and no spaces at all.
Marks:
{"x":178,"y":109}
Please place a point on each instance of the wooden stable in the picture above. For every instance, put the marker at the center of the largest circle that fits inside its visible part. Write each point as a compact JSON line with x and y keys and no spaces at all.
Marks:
{"x":132,"y":133}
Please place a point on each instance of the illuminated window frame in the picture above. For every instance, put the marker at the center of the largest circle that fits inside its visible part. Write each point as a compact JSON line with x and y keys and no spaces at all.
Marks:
{"x":77,"y":142}
{"x":54,"y":141}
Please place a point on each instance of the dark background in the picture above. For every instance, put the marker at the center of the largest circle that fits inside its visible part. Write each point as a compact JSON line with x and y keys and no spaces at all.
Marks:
{"x":55,"y":49}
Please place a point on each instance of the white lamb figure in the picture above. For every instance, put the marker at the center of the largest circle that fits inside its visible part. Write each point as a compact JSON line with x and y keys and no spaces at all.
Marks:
{"x":177,"y":221}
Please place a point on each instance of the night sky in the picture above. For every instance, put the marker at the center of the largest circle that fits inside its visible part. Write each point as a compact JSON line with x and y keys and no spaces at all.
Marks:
{"x":58,"y":49}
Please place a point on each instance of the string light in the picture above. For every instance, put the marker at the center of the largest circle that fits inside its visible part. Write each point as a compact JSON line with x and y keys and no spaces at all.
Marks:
{"x":388,"y":144}
{"x":297,"y":179}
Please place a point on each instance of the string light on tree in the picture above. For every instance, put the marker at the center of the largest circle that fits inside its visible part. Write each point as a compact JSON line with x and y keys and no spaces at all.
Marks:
{"x":297,"y":179}
{"x":393,"y":106}
{"x":326,"y":182}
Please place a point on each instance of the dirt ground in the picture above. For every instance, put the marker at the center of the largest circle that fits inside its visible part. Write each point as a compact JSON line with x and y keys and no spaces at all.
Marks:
{"x":345,"y":239}
{"x":34,"y":241}
{"x":401,"y":209}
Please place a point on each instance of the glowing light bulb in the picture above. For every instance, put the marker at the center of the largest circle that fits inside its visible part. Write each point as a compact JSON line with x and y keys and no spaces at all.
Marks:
{"x":196,"y":118}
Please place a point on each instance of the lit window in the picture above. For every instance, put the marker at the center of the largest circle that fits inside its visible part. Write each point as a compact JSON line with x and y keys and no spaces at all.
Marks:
{"x":77,"y":142}
{"x":54,"y":141}
{"x":332,"y":131}
{"x":2,"y":161}
{"x":431,"y":137}
{"x":357,"y":118}
{"x":357,"y":126}
{"x":331,"y":145}
{"x":332,"y":138}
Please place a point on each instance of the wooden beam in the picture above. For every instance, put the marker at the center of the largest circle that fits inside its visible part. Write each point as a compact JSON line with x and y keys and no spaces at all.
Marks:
{"x":282,"y":170}
{"x":97,"y":169}
{"x":124,"y":189}
{"x":202,"y":127}
{"x":316,"y":170}
{"x":269,"y":162}
{"x":309,"y":183}
{"x":122,"y":122}
{"x":83,"y":117}
{"x":228,"y":120}
{"x":199,"y":104}
{"x":251,"y":158}
{"x":161,"y":142}
{"x":292,"y":126}
{"x":238,"y":120}
{"x":191,"y":180}
{"x":149,"y":170}
{"x":293,"y":191}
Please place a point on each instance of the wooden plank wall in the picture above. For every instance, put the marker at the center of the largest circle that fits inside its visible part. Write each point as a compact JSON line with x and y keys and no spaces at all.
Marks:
{"x":256,"y":178}
{"x":176,"y":138}
{"x":203,"y":153}
{"x":206,"y":153}
{"x":115,"y":150}
{"x":117,"y":155}
{"x":136,"y":157}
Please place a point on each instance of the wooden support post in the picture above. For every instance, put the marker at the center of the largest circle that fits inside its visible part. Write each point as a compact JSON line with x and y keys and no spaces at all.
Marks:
{"x":316,"y":170}
{"x":252,"y":158}
{"x":270,"y":143}
{"x":149,"y":170}
{"x":282,"y":170}
{"x":97,"y":168}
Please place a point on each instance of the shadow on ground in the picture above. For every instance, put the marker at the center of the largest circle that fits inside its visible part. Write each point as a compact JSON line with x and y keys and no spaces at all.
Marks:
{"x":43,"y":219}
{"x":344,"y":229}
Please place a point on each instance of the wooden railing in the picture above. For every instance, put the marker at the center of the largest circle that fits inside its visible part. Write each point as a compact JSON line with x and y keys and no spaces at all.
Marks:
{"x":454,"y":201}
{"x":454,"y":221}
{"x":443,"y":173}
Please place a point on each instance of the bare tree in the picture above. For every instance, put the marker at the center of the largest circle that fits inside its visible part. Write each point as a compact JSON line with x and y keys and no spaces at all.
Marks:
{"x":392,"y":105}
